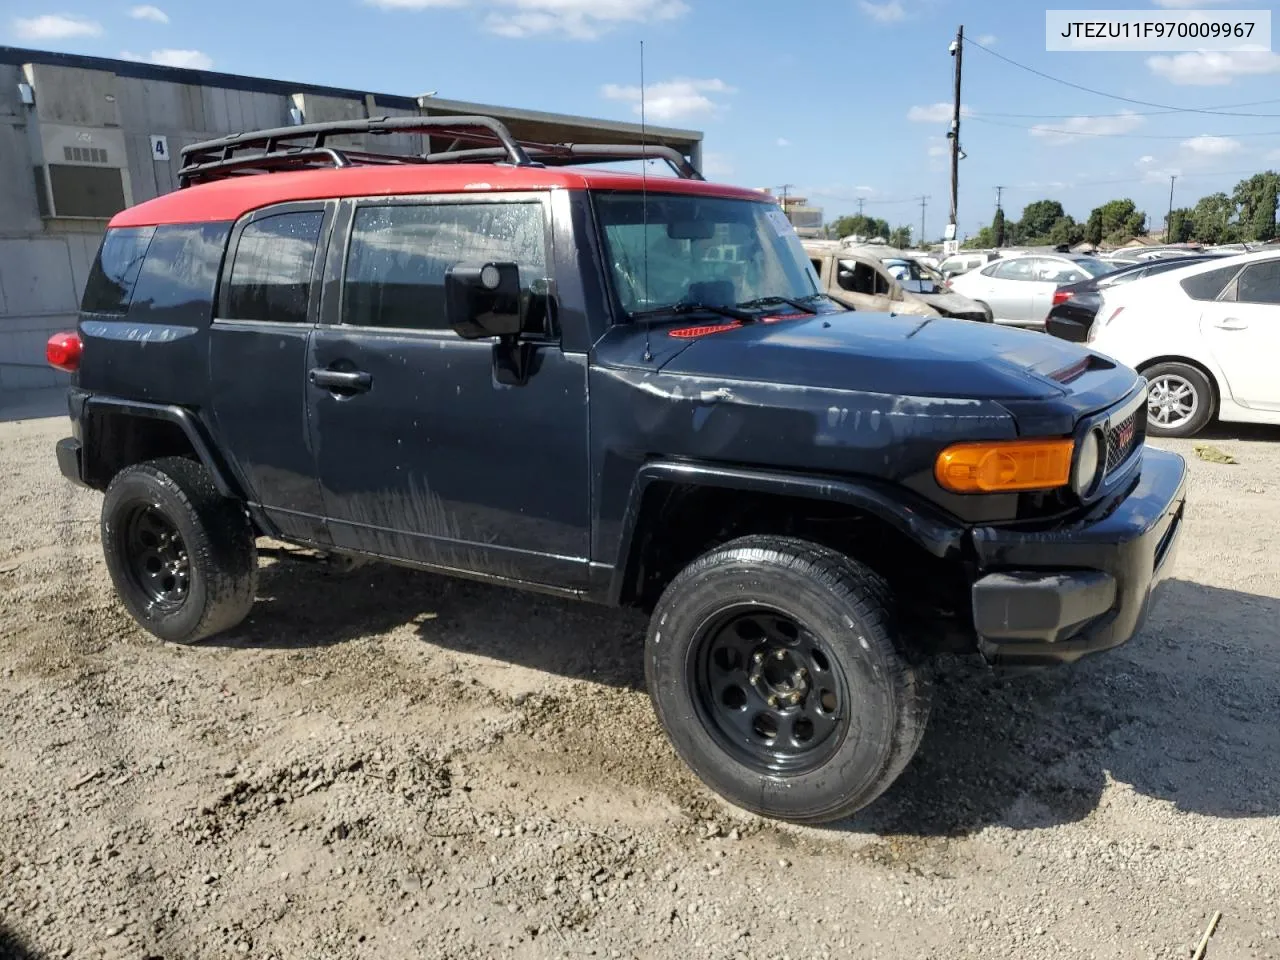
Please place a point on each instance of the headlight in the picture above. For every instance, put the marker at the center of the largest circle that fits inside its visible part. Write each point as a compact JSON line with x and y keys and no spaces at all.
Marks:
{"x":1088,"y":461}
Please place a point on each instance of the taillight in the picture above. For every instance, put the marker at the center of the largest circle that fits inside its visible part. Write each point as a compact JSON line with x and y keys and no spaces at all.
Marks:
{"x":1060,"y":296}
{"x":63,"y":351}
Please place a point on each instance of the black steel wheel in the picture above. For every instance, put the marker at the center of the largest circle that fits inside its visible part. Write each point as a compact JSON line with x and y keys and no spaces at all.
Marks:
{"x":774,"y":666}
{"x":766,"y":690}
{"x":181,"y":555}
{"x":156,"y":557}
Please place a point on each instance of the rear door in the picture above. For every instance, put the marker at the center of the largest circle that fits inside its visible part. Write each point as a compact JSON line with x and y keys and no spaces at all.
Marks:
{"x":266,"y":310}
{"x":424,"y":453}
{"x":1243,"y":331}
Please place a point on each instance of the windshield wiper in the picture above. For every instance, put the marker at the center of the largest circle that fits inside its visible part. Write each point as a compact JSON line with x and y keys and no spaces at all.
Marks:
{"x":766,"y":301}
{"x":733,"y":313}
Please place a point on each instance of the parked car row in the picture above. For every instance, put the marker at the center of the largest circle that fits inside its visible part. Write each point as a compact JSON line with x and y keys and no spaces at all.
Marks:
{"x":1019,"y":290}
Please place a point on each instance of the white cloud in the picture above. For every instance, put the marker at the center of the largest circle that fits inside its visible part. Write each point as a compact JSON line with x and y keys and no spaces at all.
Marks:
{"x":890,"y":11}
{"x":189,"y":59}
{"x":988,"y":39}
{"x":717,"y":165}
{"x":1080,"y":128}
{"x":784,"y":142}
{"x":1152,"y":173}
{"x":1212,"y":68}
{"x":671,"y":99}
{"x":148,"y":12}
{"x":55,"y":26}
{"x":570,"y":19}
{"x":1208,"y":146}
{"x":938,"y":148}
{"x":939,"y":112}
{"x":1186,"y":4}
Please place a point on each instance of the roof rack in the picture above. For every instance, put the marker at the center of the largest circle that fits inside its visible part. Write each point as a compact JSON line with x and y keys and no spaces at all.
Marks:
{"x":475,"y":139}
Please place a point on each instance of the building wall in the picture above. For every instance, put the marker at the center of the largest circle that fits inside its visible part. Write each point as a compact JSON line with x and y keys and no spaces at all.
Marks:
{"x":117,"y":107}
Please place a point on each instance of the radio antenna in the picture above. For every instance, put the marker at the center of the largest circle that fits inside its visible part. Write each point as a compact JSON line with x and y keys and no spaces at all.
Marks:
{"x":644,"y":203}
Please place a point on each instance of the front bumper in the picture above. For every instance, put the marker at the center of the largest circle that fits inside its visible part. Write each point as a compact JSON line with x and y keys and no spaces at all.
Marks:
{"x":1055,"y":595}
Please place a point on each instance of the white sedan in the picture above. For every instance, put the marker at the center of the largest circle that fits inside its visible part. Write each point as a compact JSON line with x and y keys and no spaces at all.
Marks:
{"x":1206,"y":337}
{"x":1019,"y":290}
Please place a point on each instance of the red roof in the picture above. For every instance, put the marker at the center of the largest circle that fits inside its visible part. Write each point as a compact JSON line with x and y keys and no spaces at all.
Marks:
{"x":231,"y":198}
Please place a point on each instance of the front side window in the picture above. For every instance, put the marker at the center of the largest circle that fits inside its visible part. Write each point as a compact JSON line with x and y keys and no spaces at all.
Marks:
{"x":271,"y":276}
{"x":109,"y":288}
{"x":1260,"y":283}
{"x":399,"y":254}
{"x":858,"y":277}
{"x":1012,"y":270}
{"x":674,"y":250}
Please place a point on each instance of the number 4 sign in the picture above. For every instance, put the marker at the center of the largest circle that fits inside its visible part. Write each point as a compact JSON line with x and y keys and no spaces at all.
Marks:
{"x":159,"y":148}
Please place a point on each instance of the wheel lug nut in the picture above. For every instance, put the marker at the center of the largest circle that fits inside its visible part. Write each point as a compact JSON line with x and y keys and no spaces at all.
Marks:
{"x":780,"y":655}
{"x":757,"y":658}
{"x":795,"y":697}
{"x":773,"y":701}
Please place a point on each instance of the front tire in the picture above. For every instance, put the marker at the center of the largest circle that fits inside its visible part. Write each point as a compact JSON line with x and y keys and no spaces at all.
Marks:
{"x":181,"y":555}
{"x":1180,"y":400}
{"x":773,"y":665}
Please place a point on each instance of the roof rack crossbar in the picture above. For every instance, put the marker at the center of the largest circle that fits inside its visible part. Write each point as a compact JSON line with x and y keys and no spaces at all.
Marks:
{"x":280,"y":141}
{"x":291,"y":160}
{"x":569,"y":154}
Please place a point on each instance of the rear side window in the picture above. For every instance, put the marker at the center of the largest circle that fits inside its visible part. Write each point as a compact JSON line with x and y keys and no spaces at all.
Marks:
{"x":1207,"y":286}
{"x":115,"y":270}
{"x":179,"y":275}
{"x":271,"y":276}
{"x":1260,"y":283}
{"x":398,"y":256}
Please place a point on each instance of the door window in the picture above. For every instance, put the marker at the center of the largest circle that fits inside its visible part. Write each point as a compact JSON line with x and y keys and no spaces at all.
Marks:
{"x":1260,"y":283}
{"x":271,"y":275}
{"x":399,"y":254}
{"x":1207,"y":285}
{"x":1049,"y":270}
{"x":1020,"y":269}
{"x":858,"y":277}
{"x":115,"y":270}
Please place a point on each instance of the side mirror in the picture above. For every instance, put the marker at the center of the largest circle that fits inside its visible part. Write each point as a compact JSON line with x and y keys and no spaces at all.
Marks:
{"x":484,"y":301}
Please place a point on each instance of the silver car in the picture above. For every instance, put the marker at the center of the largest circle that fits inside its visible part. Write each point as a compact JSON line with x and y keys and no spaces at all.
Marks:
{"x":1019,"y":290}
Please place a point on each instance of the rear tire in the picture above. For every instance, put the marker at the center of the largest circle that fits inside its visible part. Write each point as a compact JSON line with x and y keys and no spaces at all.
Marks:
{"x":773,"y":665}
{"x":181,"y":555}
{"x":1180,"y":400}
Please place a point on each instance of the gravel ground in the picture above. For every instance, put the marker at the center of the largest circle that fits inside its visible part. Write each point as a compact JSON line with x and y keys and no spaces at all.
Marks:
{"x":386,"y":764}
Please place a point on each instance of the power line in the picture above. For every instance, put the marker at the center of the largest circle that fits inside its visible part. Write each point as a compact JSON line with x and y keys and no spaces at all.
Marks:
{"x":1098,"y":93}
{"x":1132,"y":113}
{"x":1026,"y":188}
{"x":1126,"y":136}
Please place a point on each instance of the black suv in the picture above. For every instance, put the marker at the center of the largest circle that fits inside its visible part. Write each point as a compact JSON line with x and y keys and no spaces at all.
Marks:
{"x":623,"y":388}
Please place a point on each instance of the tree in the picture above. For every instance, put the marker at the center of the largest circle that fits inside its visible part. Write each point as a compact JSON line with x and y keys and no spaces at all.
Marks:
{"x":1116,"y":220}
{"x":1181,"y":225}
{"x":1038,"y":219}
{"x":984,"y":239}
{"x":1093,"y":230}
{"x":1211,"y":219}
{"x":997,"y":228}
{"x":1065,"y":231}
{"x":861,"y":226}
{"x":900,"y":238}
{"x":1256,"y":198}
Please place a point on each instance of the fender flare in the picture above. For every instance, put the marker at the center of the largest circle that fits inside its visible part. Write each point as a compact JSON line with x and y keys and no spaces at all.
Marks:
{"x":182,"y":417}
{"x":916,"y":519}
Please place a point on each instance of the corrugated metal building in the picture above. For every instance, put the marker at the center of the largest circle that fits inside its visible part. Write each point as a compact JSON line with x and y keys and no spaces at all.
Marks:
{"x":83,"y":137}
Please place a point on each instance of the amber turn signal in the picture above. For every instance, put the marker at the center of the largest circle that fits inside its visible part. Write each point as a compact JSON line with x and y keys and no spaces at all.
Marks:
{"x":1004,"y":465}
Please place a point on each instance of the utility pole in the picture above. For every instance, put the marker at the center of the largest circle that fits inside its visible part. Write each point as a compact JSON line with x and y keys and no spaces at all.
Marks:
{"x":859,"y":206}
{"x":957,"y":51}
{"x":999,"y":194}
{"x":924,"y":202}
{"x":784,"y":188}
{"x":1168,"y":224}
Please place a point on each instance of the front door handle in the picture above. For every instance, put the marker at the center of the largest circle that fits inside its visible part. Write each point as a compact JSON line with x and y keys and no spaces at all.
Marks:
{"x":341,"y":381}
{"x":1231,"y":323}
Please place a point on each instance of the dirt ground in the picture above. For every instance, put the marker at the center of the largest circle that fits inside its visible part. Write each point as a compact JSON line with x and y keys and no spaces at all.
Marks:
{"x":386,"y":764}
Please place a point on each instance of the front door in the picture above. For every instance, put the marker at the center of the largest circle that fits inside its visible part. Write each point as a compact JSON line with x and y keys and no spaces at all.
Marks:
{"x":267,"y":307}
{"x":862,"y":285}
{"x":1243,"y":331}
{"x":423,"y":454}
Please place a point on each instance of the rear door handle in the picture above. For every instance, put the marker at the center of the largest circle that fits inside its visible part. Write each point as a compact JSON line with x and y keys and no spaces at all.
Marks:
{"x":1231,"y":323}
{"x":341,"y":381}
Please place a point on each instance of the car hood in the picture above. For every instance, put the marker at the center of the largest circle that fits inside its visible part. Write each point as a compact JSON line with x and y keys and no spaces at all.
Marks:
{"x":896,"y":355}
{"x":949,"y":302}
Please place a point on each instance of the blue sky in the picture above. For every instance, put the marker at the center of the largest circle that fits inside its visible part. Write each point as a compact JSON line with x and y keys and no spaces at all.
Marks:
{"x":838,"y":97}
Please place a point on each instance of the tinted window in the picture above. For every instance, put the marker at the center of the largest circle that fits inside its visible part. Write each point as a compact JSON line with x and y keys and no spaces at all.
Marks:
{"x":1207,"y":286}
{"x":271,"y":276}
{"x":399,"y":254}
{"x":1260,"y":283}
{"x":115,"y":270}
{"x":178,"y":276}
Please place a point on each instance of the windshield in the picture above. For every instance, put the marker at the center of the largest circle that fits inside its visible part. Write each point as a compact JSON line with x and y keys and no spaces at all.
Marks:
{"x":701,"y":250}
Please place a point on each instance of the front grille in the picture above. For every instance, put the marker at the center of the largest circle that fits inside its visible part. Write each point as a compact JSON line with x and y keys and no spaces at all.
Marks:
{"x":1122,"y":438}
